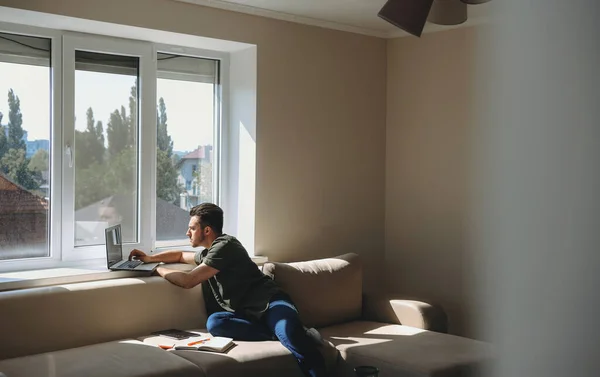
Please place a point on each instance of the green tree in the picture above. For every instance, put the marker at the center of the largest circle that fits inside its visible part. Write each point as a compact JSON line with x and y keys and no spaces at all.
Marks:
{"x":82,"y":158}
{"x":117,"y":132}
{"x":40,"y":161}
{"x":133,"y":112}
{"x":95,"y":138}
{"x":121,"y":175}
{"x":3,"y":139}
{"x":89,"y":144}
{"x":15,"y":122}
{"x":90,"y":186}
{"x":16,"y":167}
{"x":118,"y":176}
{"x":100,"y":136}
{"x":167,"y":187}
{"x":102,"y":172}
{"x":176,"y":158}
{"x":14,"y":162}
{"x":164,"y":141}
{"x":99,"y":181}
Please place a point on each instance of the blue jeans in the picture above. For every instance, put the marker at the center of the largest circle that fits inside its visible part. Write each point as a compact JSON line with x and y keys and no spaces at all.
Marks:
{"x":281,"y":320}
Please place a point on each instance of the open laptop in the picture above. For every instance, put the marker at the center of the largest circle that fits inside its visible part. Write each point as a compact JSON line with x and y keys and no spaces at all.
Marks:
{"x":114,"y":253}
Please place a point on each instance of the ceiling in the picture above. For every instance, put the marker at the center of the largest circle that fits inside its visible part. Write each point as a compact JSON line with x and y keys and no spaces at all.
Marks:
{"x":356,"y":16}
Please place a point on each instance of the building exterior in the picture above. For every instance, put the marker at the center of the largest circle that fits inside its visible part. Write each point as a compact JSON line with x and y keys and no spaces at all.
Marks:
{"x":36,"y":145}
{"x":90,"y":221}
{"x":23,"y":221}
{"x":31,"y":146}
{"x":195,"y":176}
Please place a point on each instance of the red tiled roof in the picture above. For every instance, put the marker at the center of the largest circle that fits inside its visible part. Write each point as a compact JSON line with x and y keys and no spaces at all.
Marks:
{"x":16,"y":199}
{"x":194,"y":155}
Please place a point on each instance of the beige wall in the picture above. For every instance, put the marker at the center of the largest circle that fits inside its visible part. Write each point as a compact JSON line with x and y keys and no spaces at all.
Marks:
{"x":429,"y":106}
{"x":320,"y":123}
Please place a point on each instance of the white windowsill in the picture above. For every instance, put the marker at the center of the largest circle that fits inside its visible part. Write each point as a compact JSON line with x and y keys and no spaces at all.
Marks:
{"x":55,"y":276}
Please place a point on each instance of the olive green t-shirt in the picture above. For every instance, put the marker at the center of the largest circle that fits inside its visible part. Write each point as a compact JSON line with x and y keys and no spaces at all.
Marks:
{"x":239,"y":286}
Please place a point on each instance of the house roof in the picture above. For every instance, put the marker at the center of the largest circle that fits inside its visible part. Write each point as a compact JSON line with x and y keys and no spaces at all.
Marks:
{"x":172,"y":224}
{"x":17,"y":199}
{"x":195,"y":154}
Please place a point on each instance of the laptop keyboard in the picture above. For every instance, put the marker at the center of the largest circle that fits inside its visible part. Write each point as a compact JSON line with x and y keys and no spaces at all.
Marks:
{"x":131,"y":264}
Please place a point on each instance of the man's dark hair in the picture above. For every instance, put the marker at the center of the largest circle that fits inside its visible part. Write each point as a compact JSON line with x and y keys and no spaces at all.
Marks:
{"x":209,"y":215}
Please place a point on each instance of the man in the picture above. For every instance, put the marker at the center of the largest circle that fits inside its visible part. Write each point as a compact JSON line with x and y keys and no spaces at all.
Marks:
{"x":243,"y":303}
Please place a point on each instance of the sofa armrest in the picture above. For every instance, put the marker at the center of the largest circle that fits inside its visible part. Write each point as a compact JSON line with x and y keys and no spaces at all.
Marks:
{"x":412,"y":313}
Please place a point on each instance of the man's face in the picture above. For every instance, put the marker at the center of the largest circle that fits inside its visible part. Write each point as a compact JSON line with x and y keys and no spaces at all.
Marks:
{"x":195,"y":232}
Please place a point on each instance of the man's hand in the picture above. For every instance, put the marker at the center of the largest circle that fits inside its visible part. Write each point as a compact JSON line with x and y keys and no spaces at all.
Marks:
{"x":170,"y":256}
{"x":139,"y":254}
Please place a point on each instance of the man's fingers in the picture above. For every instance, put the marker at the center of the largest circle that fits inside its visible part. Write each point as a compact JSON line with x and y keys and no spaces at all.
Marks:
{"x":135,"y":253}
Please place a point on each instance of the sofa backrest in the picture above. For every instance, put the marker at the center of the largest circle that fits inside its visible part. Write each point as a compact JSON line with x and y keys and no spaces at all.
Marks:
{"x":65,"y":316}
{"x":325,"y":291}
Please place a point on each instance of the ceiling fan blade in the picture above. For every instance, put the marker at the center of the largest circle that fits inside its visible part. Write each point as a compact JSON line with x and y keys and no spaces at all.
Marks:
{"x":408,"y":15}
{"x":473,"y":2}
{"x":448,"y":12}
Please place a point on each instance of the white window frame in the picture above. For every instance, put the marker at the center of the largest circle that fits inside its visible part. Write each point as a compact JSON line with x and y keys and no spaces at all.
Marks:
{"x":220,"y":128}
{"x":62,"y":250}
{"x":147,"y":121}
{"x":55,"y":215}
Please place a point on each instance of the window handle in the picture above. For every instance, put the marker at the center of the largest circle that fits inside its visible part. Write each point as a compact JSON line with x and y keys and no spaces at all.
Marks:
{"x":69,"y":153}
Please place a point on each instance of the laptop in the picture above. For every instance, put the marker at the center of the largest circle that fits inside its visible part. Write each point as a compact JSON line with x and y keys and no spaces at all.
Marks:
{"x":114,"y":253}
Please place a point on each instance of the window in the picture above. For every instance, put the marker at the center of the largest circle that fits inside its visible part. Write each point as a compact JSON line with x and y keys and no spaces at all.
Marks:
{"x":106,"y":99}
{"x":186,"y":130}
{"x":25,"y":124}
{"x":105,"y":146}
{"x":97,"y":131}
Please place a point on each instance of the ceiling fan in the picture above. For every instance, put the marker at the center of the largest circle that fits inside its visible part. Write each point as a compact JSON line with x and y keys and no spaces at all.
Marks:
{"x":411,"y":15}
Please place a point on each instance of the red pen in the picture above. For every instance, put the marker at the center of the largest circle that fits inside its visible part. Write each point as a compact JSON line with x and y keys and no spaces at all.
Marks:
{"x":198,"y":342}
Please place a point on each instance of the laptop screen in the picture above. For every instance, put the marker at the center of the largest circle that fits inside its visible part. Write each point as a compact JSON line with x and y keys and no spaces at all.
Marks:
{"x":114,"y":250}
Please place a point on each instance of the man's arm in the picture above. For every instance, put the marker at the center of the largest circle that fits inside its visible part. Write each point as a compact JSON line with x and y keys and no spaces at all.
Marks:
{"x":170,"y":256}
{"x":190,"y":279}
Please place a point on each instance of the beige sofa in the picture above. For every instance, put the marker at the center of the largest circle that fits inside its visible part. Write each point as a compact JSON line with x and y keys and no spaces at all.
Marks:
{"x":94,"y":329}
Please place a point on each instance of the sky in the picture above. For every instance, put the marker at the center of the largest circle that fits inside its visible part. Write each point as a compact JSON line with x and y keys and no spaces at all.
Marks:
{"x":189,"y":104}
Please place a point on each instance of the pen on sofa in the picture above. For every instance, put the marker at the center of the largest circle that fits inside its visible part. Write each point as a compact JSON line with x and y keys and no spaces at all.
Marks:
{"x":198,"y":342}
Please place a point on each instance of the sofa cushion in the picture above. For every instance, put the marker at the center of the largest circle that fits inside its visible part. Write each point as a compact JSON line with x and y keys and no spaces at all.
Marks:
{"x":325,"y":291}
{"x":263,"y":359}
{"x":128,"y":358}
{"x":74,"y":315}
{"x":403,"y":351}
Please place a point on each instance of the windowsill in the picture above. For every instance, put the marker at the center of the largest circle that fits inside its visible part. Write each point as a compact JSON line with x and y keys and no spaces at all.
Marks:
{"x":56,"y":276}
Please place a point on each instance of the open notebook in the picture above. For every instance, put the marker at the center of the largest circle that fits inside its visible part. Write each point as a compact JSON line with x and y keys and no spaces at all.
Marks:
{"x":202,"y":342}
{"x":209,"y":343}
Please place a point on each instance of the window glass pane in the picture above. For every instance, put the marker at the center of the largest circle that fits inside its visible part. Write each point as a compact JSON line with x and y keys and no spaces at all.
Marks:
{"x":185,"y":155}
{"x":106,"y":146}
{"x":25,"y":124}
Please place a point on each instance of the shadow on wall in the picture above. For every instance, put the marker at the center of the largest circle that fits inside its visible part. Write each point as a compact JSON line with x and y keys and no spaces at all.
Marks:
{"x":431,"y":103}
